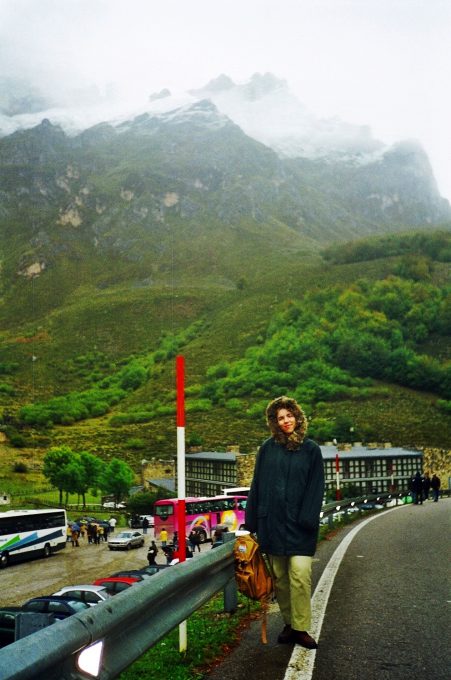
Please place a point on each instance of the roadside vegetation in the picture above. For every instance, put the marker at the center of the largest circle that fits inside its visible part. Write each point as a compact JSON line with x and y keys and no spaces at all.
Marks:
{"x":211,"y":634}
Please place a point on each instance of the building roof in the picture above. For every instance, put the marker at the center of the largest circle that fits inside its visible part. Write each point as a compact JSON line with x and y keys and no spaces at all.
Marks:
{"x":165,"y":483}
{"x":329,"y":452}
{"x":214,"y":455}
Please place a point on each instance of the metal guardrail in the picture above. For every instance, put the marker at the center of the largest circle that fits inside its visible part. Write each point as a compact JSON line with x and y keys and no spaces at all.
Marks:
{"x":361,"y":503}
{"x":127,"y":624}
{"x":367,"y":502}
{"x":133,"y":621}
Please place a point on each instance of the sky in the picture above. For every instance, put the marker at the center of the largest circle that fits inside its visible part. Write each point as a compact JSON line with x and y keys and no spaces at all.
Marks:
{"x":382,"y":63}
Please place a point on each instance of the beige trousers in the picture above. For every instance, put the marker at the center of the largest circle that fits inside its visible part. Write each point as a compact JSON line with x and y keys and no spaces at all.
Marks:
{"x":293,"y":585}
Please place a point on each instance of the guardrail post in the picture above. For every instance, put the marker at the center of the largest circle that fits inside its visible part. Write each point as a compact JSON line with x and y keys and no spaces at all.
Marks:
{"x":230,"y":589}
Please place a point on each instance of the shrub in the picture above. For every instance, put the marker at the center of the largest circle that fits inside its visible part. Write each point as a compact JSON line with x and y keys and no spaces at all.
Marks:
{"x":234,"y":404}
{"x":198,"y":405}
{"x":194,"y":439}
{"x":321,"y":429}
{"x":18,"y":440}
{"x":135,"y":443}
{"x":443,"y":405}
{"x":119,"y":419}
{"x":20,"y":467}
{"x":258,"y":409}
{"x":132,"y":377}
{"x":219,"y":371}
{"x":7,"y":367}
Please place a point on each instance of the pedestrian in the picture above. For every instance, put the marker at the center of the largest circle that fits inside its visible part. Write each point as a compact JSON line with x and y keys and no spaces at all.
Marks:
{"x":75,"y":534}
{"x":176,"y":555}
{"x":197,"y":539}
{"x":283,"y":509}
{"x":112,"y":522}
{"x":191,"y":540}
{"x":168,"y":553}
{"x":435,"y":486}
{"x":163,"y":537}
{"x":145,"y":525}
{"x":96,"y":533}
{"x":175,"y":540}
{"x":426,"y":486}
{"x":152,"y":554}
{"x":417,"y":488}
{"x":218,"y":538}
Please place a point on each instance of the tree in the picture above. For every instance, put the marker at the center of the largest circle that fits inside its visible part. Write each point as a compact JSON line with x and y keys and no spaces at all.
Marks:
{"x":116,"y":479}
{"x":55,"y":462}
{"x":91,"y":471}
{"x":73,"y":476}
{"x":142,"y":503}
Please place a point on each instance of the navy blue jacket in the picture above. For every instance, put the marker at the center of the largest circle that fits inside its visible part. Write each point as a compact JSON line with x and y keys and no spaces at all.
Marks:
{"x":285,"y":498}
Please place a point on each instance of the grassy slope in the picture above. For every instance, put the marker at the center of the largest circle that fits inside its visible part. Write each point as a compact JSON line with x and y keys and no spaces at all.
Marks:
{"x":122,"y":320}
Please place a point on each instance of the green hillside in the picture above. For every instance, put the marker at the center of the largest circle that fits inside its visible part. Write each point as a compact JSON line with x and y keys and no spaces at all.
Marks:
{"x":362,"y":348}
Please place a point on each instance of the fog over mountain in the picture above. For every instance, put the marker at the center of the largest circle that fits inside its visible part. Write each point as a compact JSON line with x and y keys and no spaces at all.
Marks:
{"x":264,"y":107}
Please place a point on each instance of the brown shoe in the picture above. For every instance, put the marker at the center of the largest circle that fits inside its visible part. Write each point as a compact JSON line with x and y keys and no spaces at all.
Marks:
{"x":301,"y":637}
{"x":286,"y":636}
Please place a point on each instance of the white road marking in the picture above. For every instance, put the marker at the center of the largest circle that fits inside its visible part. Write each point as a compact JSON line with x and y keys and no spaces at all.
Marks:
{"x":302,"y":661}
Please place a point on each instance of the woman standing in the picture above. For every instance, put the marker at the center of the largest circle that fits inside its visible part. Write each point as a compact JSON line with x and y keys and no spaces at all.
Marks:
{"x":283,"y":509}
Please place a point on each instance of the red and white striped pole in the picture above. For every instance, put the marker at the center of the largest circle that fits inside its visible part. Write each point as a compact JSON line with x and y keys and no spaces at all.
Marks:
{"x":337,"y":476}
{"x":181,"y":491}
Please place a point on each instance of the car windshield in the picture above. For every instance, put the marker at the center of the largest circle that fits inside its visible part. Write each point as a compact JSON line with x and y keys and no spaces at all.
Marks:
{"x":124,"y":534}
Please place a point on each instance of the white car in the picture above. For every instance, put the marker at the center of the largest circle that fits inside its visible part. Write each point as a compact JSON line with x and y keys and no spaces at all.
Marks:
{"x":88,"y":593}
{"x":125,"y":540}
{"x":138,"y":521}
{"x":110,"y":505}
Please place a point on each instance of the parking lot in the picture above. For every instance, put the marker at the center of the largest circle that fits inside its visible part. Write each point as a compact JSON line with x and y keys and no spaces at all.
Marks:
{"x":70,"y":566}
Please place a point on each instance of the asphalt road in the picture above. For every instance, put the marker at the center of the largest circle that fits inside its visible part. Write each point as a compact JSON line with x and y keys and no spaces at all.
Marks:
{"x":388,"y":616}
{"x":388,"y":613}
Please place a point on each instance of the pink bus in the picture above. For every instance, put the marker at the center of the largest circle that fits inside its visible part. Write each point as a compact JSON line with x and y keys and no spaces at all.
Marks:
{"x":201,"y":513}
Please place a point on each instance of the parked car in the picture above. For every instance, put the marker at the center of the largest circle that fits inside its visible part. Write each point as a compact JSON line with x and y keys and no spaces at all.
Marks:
{"x":8,"y":624}
{"x":114,"y":506}
{"x":153,"y":569}
{"x":88,"y":593}
{"x":133,"y":573}
{"x":116,"y":584}
{"x":60,"y":607}
{"x":125,"y":540}
{"x":136,"y":521}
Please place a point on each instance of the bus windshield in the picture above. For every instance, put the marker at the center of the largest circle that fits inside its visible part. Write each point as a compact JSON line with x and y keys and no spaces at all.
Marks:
{"x":164,"y":510}
{"x":202,"y":515}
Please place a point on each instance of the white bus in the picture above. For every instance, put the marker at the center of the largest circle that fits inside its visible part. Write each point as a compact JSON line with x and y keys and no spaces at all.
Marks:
{"x":30,"y":533}
{"x":236,"y":491}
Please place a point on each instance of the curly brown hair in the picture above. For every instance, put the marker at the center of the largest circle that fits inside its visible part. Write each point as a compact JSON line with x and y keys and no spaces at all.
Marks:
{"x":295,"y":439}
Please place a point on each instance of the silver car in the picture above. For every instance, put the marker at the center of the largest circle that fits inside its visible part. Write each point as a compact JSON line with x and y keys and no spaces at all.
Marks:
{"x":86,"y":593}
{"x":125,"y":540}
